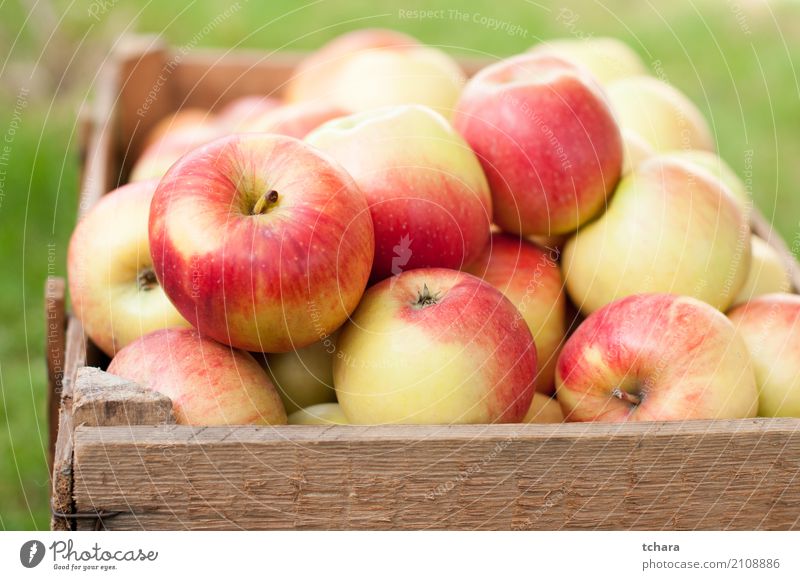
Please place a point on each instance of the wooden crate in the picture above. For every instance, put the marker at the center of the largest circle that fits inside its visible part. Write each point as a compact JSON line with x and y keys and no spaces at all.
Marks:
{"x":120,"y":462}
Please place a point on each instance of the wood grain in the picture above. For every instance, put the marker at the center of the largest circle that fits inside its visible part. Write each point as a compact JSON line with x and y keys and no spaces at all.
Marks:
{"x":103,"y":399}
{"x":56,"y":328}
{"x":696,"y":475}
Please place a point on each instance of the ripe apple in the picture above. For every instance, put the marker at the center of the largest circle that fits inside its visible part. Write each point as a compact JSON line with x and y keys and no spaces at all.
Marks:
{"x":158,"y":157}
{"x":656,"y":357}
{"x":608,"y":59}
{"x":317,"y":74}
{"x":547,"y":140}
{"x":237,"y":116}
{"x":529,"y":276}
{"x":303,"y":377}
{"x":261,"y":241}
{"x":209,"y":383}
{"x":321,"y":414}
{"x":767,"y":273}
{"x":661,"y":114}
{"x":427,"y":193}
{"x":717,"y":168}
{"x":668,"y":228}
{"x":112,"y":285}
{"x":434,"y":346}
{"x":544,"y":409}
{"x":635,"y":151}
{"x":770,"y":326}
{"x":296,"y":120}
{"x":179,"y":121}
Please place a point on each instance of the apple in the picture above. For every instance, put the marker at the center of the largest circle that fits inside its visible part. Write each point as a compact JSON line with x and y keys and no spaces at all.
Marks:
{"x":656,"y":357}
{"x":547,"y":140}
{"x":434,"y":346}
{"x":261,"y":241}
{"x":112,"y":284}
{"x":303,"y":377}
{"x":158,"y":157}
{"x":544,"y":409}
{"x":716,"y":167}
{"x":296,"y":120}
{"x":316,"y":75}
{"x":209,"y":383}
{"x":635,"y":151}
{"x":767,"y":273}
{"x":428,"y":196}
{"x":529,"y":276}
{"x":661,"y":114}
{"x":770,"y":327}
{"x":183,"y":119}
{"x":608,"y":59}
{"x":237,"y":115}
{"x":321,"y":414}
{"x":668,"y":228}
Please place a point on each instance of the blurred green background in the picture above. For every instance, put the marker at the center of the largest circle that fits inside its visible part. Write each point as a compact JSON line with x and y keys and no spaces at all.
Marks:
{"x":734,"y":58}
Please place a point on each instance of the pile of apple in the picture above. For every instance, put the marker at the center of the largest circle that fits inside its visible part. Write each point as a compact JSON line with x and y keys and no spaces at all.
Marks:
{"x":394,"y":243}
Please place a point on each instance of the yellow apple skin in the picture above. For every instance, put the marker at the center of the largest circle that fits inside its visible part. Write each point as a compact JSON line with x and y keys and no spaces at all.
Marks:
{"x":608,"y":59}
{"x":716,"y":166}
{"x":303,"y":377}
{"x":635,"y":150}
{"x":656,"y":357}
{"x":544,"y":409}
{"x":108,"y":264}
{"x":766,"y":275}
{"x":770,"y":326}
{"x":668,"y":228}
{"x":434,"y":346}
{"x":660,"y":114}
{"x":321,"y":414}
{"x":529,"y":276}
{"x":159,"y":156}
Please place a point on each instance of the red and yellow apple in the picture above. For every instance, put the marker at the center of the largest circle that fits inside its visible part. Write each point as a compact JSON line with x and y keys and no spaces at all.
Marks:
{"x":656,"y":357}
{"x":529,"y":276}
{"x":668,"y":228}
{"x":295,"y":120}
{"x":661,"y":114}
{"x":209,"y":383}
{"x":238,"y":115}
{"x":112,"y":284}
{"x":434,"y":346}
{"x":770,"y":326}
{"x":717,"y":168}
{"x":261,"y":241}
{"x":608,"y":59}
{"x":767,"y":273}
{"x":427,"y":193}
{"x":544,"y":409}
{"x":158,"y":157}
{"x":547,"y":140}
{"x":179,"y":121}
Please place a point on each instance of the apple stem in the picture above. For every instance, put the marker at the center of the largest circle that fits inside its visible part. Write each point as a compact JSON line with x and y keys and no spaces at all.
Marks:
{"x":626,"y":396}
{"x":425,"y":297}
{"x":146,"y":280}
{"x":265,"y":202}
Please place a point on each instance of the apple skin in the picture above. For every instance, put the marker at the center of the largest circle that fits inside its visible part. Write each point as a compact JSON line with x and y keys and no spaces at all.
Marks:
{"x":303,"y":377}
{"x":434,"y":346}
{"x":661,"y":114}
{"x":188,"y":118}
{"x":668,"y":228}
{"x":296,"y":120}
{"x":530,"y":278}
{"x":321,"y":414}
{"x":717,"y":168}
{"x":531,"y":119}
{"x":158,"y":157}
{"x":428,"y":196}
{"x":767,"y":273}
{"x":316,"y":75}
{"x":770,"y":326}
{"x":271,"y":282}
{"x":608,"y":59}
{"x":636,"y":151}
{"x":544,"y":409}
{"x":209,"y":383}
{"x":112,"y":286}
{"x":237,"y":115}
{"x":680,"y":356}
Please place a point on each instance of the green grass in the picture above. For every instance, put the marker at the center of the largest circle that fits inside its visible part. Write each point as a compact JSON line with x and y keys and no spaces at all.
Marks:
{"x":733,"y":59}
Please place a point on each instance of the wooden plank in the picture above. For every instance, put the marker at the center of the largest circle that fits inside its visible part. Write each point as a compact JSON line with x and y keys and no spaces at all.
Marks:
{"x":103,"y":399}
{"x":739,"y":474}
{"x":56,"y":327}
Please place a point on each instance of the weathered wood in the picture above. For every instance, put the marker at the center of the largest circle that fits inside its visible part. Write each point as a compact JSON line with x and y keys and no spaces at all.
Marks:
{"x":101,"y":399}
{"x":695,"y":475}
{"x":56,"y":327}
